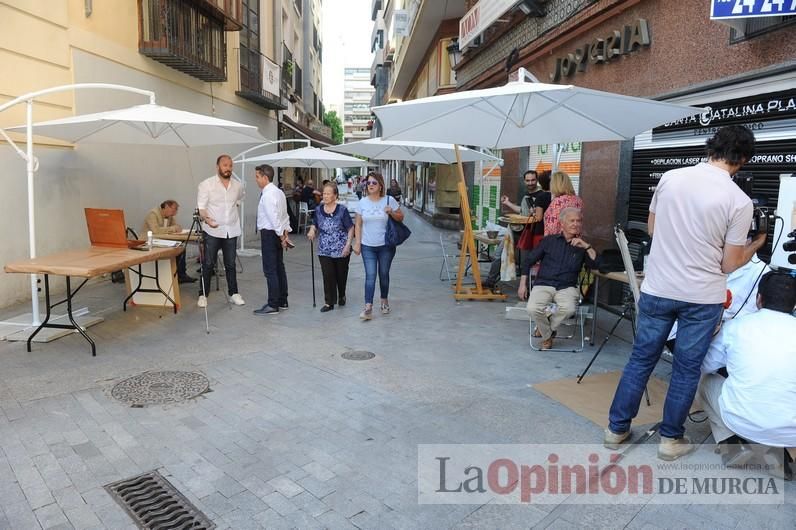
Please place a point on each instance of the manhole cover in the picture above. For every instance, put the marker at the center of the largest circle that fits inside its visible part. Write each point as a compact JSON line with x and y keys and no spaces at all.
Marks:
{"x":358,"y":355}
{"x":154,"y":503}
{"x":157,"y":388}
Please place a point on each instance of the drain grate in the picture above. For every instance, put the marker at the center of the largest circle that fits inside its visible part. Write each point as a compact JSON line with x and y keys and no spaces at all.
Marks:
{"x":158,"y":388}
{"x":155,"y":504}
{"x":358,"y":355}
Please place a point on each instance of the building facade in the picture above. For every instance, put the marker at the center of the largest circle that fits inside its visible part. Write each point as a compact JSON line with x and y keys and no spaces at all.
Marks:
{"x":357,"y":94}
{"x":227,"y":60}
{"x":650,"y":48}
{"x":410,"y":43}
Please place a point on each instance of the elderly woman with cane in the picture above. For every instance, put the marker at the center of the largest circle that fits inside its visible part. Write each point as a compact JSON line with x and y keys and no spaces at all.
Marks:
{"x":373,"y":211}
{"x":334,"y":229}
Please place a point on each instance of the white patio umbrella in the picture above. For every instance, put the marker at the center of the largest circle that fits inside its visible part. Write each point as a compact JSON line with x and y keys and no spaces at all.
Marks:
{"x":310,"y":157}
{"x":521,"y":113}
{"x":432,"y":152}
{"x":149,"y":124}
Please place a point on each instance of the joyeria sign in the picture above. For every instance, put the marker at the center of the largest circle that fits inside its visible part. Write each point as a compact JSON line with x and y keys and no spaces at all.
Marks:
{"x":603,"y":50}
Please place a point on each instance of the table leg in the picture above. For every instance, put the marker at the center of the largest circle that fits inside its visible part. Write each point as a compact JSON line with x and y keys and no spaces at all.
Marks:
{"x":159,"y":289}
{"x":133,"y":291}
{"x":594,"y":310}
{"x":157,"y":284}
{"x":77,"y":326}
{"x":47,"y":316}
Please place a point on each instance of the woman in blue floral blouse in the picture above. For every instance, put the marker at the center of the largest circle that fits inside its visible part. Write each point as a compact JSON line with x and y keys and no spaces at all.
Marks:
{"x":334,"y":229}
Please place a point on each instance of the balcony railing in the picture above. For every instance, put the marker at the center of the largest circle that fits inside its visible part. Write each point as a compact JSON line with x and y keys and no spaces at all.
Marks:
{"x":179,"y":34}
{"x":260,"y":80}
{"x":230,"y":10}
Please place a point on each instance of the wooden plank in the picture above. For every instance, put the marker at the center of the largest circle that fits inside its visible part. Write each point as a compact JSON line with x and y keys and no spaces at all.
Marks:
{"x":90,"y":262}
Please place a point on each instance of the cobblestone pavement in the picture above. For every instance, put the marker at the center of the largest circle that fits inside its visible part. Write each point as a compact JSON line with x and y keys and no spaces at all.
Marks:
{"x":292,"y":435}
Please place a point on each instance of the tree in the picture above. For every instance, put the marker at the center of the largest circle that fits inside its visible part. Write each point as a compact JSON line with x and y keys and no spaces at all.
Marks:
{"x":331,"y":119}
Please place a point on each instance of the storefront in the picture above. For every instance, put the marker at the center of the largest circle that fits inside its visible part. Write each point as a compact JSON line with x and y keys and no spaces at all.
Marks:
{"x":663,"y":50}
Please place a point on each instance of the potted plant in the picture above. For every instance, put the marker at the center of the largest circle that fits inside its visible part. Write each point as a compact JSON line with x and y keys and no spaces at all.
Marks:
{"x":287,"y":67}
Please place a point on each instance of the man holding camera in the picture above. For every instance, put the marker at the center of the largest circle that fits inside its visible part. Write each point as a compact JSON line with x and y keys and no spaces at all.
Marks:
{"x":700,"y":220}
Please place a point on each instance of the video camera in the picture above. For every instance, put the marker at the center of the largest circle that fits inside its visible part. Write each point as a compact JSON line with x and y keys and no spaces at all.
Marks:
{"x":197,"y":217}
{"x":762,"y":213}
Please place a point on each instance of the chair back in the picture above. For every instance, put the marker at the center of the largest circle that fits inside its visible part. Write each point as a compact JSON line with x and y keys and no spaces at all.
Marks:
{"x":304,"y":207}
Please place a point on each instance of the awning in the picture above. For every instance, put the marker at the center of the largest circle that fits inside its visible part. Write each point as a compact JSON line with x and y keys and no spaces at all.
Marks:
{"x":314,"y":137}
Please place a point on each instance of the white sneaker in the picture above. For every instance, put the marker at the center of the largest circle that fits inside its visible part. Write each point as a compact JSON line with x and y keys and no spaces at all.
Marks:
{"x":202,"y":301}
{"x":237,"y":299}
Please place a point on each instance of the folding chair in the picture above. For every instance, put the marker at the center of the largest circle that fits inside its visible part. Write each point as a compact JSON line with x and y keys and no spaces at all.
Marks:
{"x":576,"y":322}
{"x":446,"y":263}
{"x":303,"y":216}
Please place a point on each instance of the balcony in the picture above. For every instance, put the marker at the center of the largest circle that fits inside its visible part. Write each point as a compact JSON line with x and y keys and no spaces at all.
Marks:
{"x":375,"y":6}
{"x":230,"y":11}
{"x":182,"y":35}
{"x":260,"y":80}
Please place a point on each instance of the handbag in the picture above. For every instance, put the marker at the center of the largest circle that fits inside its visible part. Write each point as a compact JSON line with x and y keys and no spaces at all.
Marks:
{"x":396,"y":232}
{"x":525,"y":242}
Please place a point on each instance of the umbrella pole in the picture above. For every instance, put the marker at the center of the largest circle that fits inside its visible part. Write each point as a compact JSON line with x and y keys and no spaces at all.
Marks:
{"x":468,"y":247}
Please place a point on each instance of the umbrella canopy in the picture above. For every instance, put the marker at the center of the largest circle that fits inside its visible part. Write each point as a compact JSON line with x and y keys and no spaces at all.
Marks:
{"x":149,"y":124}
{"x":520,"y":114}
{"x":432,"y":152}
{"x":311,"y":157}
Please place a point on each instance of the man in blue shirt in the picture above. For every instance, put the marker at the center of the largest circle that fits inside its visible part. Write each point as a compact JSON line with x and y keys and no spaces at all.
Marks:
{"x":562,"y":256}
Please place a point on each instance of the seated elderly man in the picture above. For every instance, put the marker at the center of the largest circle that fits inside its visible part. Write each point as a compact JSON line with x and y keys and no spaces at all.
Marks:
{"x":163,"y":220}
{"x":562,"y":257}
{"x":755,"y":398}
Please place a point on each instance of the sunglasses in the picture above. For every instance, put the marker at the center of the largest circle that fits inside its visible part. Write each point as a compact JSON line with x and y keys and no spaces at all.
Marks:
{"x":372,"y":182}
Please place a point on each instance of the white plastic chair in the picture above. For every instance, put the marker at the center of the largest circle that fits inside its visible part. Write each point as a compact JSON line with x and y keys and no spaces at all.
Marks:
{"x":578,"y":324}
{"x":303,"y":216}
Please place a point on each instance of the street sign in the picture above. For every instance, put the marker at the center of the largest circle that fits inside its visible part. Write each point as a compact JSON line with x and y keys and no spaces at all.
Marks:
{"x":735,"y":9}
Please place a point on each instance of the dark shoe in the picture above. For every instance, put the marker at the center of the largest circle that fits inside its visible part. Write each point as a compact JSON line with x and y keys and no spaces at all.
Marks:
{"x":186,"y":279}
{"x":266,"y":310}
{"x":283,"y":306}
{"x":341,"y":302}
{"x":326,"y":308}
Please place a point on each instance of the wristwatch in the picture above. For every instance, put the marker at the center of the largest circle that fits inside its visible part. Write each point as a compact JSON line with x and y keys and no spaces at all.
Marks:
{"x":587,"y":248}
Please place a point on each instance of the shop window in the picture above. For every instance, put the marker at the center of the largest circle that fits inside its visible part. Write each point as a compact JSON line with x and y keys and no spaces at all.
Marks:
{"x":760,"y":26}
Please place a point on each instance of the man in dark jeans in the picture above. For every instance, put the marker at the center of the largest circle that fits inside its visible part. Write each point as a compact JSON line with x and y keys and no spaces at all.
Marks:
{"x":217,"y":199}
{"x":274,"y":226}
{"x":699,"y":220}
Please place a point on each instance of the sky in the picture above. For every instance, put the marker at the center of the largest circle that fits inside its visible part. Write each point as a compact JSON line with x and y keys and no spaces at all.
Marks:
{"x":346,"y":42}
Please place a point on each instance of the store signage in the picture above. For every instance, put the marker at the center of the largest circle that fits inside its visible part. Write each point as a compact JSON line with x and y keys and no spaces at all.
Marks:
{"x":733,"y":9}
{"x":482,"y":15}
{"x":603,"y":50}
{"x":770,"y":111}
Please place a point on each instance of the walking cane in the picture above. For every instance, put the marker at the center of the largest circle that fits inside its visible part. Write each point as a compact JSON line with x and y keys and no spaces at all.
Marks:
{"x":312,"y":266}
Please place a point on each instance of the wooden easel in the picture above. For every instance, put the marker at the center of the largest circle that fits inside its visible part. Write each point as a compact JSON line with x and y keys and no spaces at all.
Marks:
{"x":469,"y":249}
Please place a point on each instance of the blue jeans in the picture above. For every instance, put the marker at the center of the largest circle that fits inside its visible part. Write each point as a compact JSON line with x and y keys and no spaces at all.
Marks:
{"x":377,"y":258}
{"x":695,"y":326}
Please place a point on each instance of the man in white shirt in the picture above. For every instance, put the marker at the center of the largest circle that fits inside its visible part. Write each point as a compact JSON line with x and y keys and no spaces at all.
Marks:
{"x":273,"y":224}
{"x":218,"y":199}
{"x":756,"y":400}
{"x":700,"y":219}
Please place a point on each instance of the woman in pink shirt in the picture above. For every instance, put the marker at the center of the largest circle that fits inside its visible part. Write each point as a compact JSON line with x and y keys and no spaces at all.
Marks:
{"x":563,"y":197}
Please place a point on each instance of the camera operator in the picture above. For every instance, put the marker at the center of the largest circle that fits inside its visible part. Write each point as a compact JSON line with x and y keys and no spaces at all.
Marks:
{"x":757,"y":399}
{"x":700,"y":220}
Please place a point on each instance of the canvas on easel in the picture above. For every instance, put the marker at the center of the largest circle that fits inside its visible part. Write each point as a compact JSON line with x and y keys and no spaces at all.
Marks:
{"x":469,"y":249}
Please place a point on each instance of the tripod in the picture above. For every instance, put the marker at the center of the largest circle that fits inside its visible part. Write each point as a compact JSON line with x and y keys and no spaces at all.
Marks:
{"x":196,"y":224}
{"x":627,"y":308}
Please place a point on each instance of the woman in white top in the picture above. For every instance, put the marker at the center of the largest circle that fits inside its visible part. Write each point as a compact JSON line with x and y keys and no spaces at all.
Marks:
{"x":370,"y":227}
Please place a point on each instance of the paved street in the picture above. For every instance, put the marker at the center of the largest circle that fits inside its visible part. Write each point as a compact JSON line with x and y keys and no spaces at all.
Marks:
{"x":292,"y":435}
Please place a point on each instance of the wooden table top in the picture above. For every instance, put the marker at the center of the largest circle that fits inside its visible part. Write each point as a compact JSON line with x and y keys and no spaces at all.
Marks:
{"x":90,"y":262}
{"x":516,"y":220}
{"x":483,"y":238}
